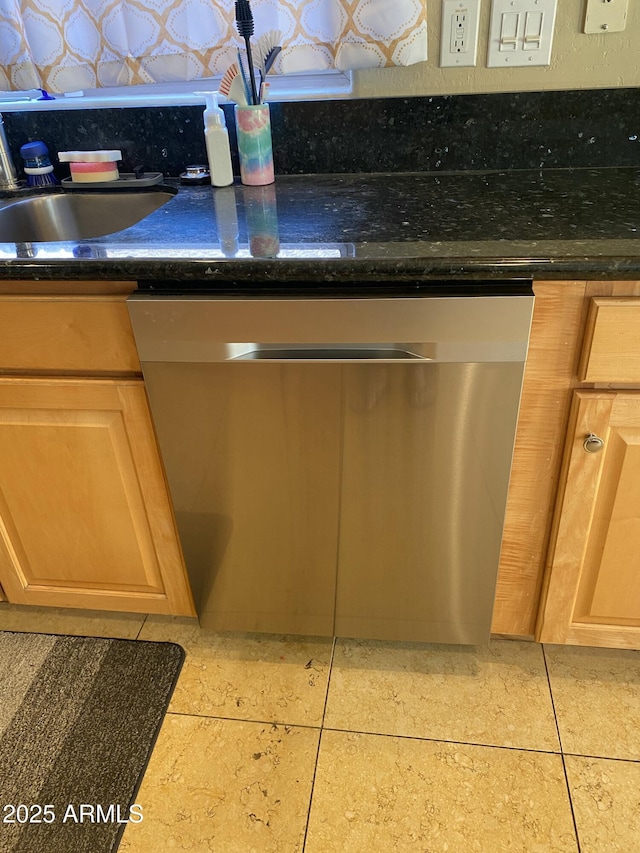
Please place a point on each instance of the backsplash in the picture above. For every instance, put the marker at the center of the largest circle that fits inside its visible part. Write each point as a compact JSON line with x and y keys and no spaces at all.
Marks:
{"x":582,"y":128}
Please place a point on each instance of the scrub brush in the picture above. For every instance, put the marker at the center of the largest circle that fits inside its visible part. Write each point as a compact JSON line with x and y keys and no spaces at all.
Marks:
{"x":244,"y":23}
{"x":268,"y":45}
{"x":244,"y":75}
{"x":232,"y":87}
{"x":37,"y":165}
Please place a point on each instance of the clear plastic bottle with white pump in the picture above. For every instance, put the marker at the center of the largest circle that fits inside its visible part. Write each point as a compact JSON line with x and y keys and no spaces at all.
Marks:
{"x":216,"y":138}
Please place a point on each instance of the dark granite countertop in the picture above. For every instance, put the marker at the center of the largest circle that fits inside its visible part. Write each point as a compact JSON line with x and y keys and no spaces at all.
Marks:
{"x":552,"y":224}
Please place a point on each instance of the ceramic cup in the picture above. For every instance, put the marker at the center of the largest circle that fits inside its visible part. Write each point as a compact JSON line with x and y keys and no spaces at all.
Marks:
{"x":253,"y":130}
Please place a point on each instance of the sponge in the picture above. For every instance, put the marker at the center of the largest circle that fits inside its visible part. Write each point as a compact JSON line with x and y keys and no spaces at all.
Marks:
{"x":91,"y":166}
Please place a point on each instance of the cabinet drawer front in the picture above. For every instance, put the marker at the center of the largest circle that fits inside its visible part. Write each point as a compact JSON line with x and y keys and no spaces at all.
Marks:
{"x":66,"y":335}
{"x":611,"y":351}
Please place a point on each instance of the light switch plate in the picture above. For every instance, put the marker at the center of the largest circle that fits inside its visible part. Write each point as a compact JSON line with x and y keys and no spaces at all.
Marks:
{"x":521,"y":32}
{"x":459,"y":33}
{"x":605,"y":16}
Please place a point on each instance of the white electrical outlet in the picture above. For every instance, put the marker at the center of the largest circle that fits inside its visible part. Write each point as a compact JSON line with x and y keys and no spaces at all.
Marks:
{"x":459,"y":35}
{"x":521,"y":32}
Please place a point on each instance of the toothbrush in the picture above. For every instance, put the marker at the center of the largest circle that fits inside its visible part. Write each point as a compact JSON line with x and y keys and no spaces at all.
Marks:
{"x":244,"y":23}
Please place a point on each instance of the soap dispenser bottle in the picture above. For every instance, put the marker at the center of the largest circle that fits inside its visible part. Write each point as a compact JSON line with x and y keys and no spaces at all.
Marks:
{"x":217,"y":141}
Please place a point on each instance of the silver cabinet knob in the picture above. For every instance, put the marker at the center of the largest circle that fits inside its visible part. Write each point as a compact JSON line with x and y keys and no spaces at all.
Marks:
{"x":593,"y":443}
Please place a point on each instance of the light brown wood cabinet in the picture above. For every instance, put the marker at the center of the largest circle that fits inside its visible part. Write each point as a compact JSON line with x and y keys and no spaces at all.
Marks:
{"x":591,"y":592}
{"x":592,"y":595}
{"x":570,"y":549}
{"x":85,"y":518}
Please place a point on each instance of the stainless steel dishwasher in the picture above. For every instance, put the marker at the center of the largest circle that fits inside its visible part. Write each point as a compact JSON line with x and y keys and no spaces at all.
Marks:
{"x":340,"y":464}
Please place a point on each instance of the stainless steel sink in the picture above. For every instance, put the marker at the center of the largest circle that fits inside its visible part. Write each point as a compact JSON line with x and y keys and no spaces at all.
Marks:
{"x":75,"y":215}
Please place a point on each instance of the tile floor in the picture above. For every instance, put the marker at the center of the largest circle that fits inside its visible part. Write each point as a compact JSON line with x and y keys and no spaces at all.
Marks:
{"x":283,"y":745}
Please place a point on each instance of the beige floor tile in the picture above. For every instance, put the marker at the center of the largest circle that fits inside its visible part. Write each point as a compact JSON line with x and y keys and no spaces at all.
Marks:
{"x":78,"y":623}
{"x":225,"y":786}
{"x":606,"y":802}
{"x":247,"y":676}
{"x":377,"y":794}
{"x":596,"y":693}
{"x":497,"y":695}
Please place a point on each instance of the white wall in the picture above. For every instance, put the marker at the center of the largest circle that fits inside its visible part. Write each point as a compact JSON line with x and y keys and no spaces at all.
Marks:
{"x":578,"y":61}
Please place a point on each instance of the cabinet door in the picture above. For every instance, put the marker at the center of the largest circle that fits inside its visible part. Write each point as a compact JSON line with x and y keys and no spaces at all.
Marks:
{"x":85,"y":519}
{"x":592,"y":594}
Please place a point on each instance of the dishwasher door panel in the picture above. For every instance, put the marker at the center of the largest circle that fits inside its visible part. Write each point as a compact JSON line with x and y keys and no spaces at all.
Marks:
{"x":338,"y":465}
{"x":426,"y":461}
{"x":255,"y":481}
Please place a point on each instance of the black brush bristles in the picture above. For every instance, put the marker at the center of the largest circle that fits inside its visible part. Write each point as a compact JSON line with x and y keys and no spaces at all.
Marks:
{"x":244,"y":22}
{"x":244,"y":18}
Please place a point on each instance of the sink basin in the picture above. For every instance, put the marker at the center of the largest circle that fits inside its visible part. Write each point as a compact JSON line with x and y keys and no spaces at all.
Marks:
{"x":75,"y":215}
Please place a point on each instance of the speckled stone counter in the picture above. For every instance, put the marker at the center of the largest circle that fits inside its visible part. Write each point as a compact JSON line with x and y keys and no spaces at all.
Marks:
{"x":351,"y":229}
